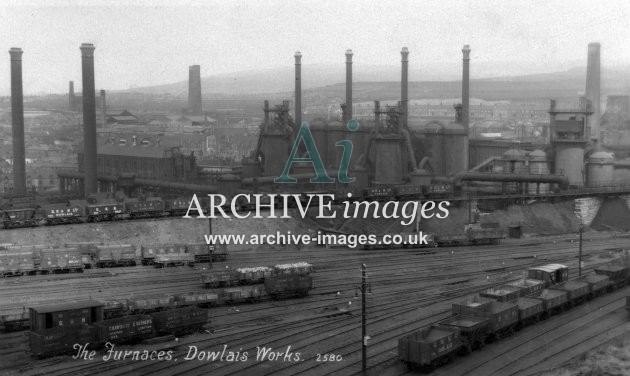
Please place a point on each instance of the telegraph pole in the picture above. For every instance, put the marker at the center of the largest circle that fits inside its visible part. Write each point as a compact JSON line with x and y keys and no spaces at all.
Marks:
{"x":364,"y":337}
{"x":580,"y":253}
{"x":210,"y":246}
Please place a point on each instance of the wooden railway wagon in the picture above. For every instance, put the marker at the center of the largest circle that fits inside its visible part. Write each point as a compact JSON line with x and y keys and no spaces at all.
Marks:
{"x":51,"y":338}
{"x":471,"y":236}
{"x":496,"y":312}
{"x":60,"y":340}
{"x":252,"y":293}
{"x":14,"y":218}
{"x":473,"y":330}
{"x":597,"y":283}
{"x":149,"y":252}
{"x":145,"y":208}
{"x":202,"y":299}
{"x":174,"y":259}
{"x":58,"y":214}
{"x":429,"y":347}
{"x":177,"y":206}
{"x":379,"y":193}
{"x":529,"y":310}
{"x":16,"y":263}
{"x":502,"y":317}
{"x":527,"y":286}
{"x":284,"y":286}
{"x":125,"y":329}
{"x":180,"y":320}
{"x":219,"y":278}
{"x":61,"y":315}
{"x":203,"y":252}
{"x":65,"y":260}
{"x":618,"y":274}
{"x":15,"y":322}
{"x":502,"y":293}
{"x":108,"y":256}
{"x":550,"y":274}
{"x":253,"y":275}
{"x":150,"y":303}
{"x":577,"y":291}
{"x":99,"y":211}
{"x":408,"y":191}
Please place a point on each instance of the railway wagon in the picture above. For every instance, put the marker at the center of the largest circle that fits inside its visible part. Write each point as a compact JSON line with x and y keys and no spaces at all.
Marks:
{"x":527,"y":286}
{"x":576,"y":291}
{"x":550,"y":274}
{"x":203,"y":251}
{"x":144,"y":208}
{"x":174,"y":259}
{"x":125,"y":329}
{"x":473,"y":330}
{"x":16,"y":263}
{"x":15,"y":322}
{"x":202,"y":299}
{"x":597,"y":284}
{"x":220,"y":278}
{"x":15,"y":218}
{"x":57,"y":214}
{"x":554,"y":301}
{"x":378,"y":193}
{"x":108,"y":256}
{"x":150,"y":303}
{"x":149,"y":252}
{"x":429,"y":348}
{"x":502,"y":316}
{"x":504,"y":293}
{"x":408,"y":191}
{"x":64,"y":260}
{"x":60,"y":340}
{"x":180,"y":320}
{"x":529,"y":310}
{"x":176,"y":206}
{"x":253,"y":275}
{"x":284,"y":286}
{"x":618,"y":274}
{"x":62,"y":315}
{"x":101,"y":210}
{"x":243,"y":294}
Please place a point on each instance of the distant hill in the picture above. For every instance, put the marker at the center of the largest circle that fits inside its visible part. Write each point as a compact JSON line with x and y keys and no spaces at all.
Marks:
{"x":382,"y":82}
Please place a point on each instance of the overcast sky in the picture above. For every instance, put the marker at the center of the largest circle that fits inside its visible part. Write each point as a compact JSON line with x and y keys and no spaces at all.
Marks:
{"x":153,"y":44}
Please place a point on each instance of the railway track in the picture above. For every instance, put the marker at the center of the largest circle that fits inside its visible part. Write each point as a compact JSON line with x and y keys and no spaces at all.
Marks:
{"x":398,"y":303}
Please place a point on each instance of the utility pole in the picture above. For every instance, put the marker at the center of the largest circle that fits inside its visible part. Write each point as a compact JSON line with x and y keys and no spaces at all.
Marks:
{"x":364,"y":337}
{"x":210,"y":246}
{"x":580,"y":253}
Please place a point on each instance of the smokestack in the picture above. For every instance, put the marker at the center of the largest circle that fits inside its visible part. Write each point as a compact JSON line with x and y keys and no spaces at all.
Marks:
{"x":404,"y":85}
{"x":593,"y":86}
{"x":348,"y":112}
{"x":266,"y":126}
{"x":103,"y":108}
{"x":466,"y":88}
{"x":194,"y":90}
{"x":298,"y":88}
{"x":17,"y":121}
{"x":71,"y":96}
{"x":377,"y":115}
{"x":89,"y":119}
